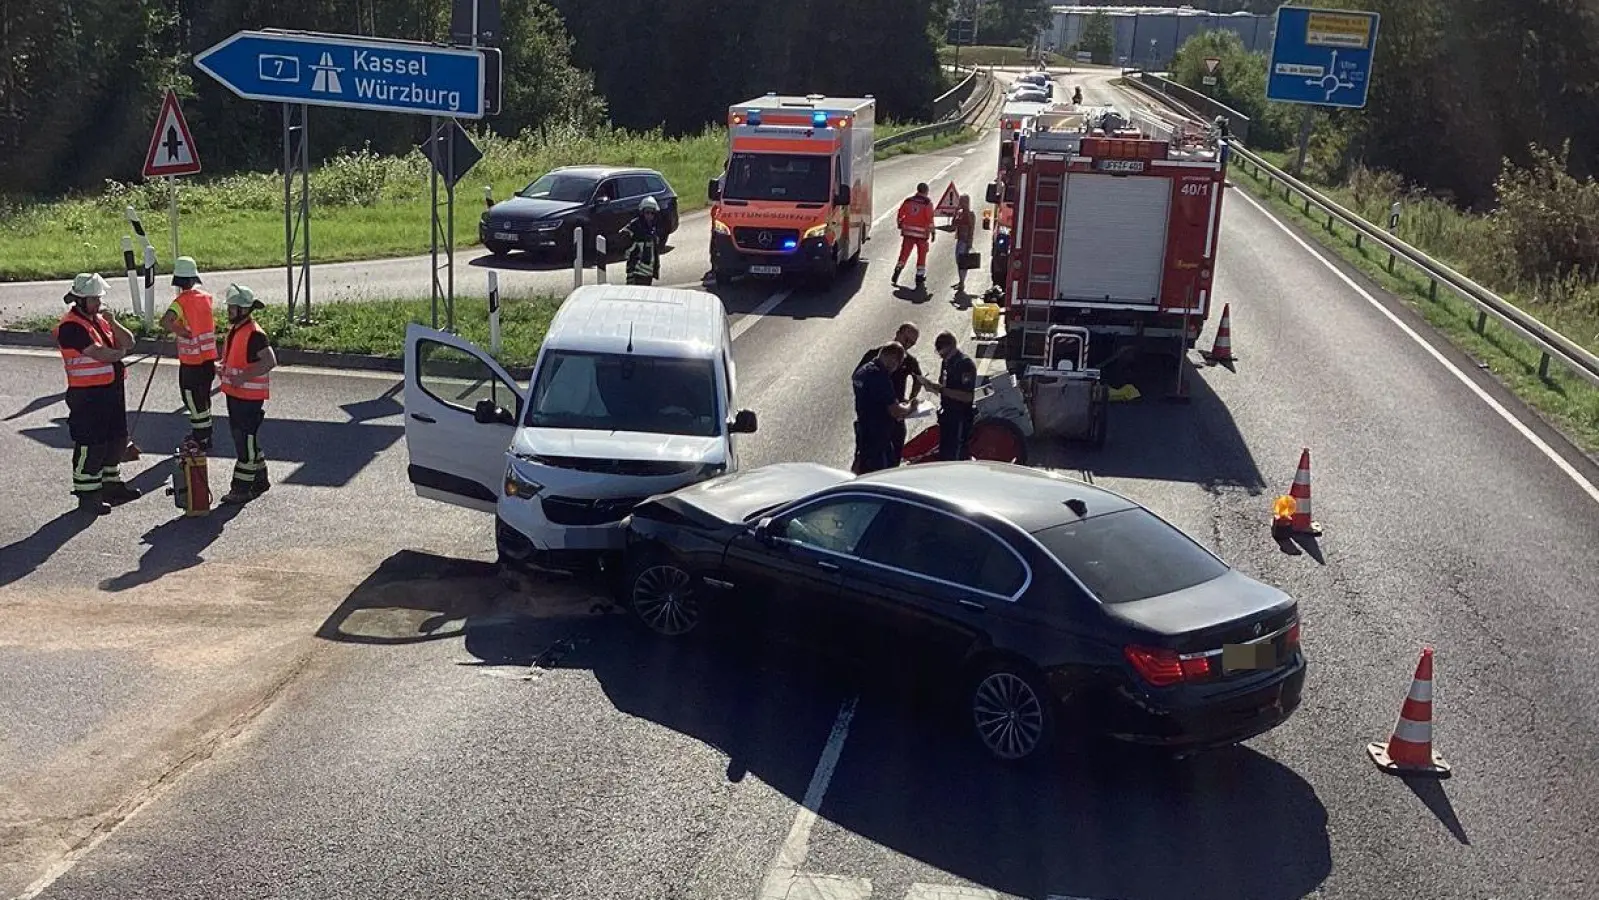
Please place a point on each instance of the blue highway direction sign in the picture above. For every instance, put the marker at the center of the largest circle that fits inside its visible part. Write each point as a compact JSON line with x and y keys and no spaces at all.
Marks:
{"x":1322,"y":57}
{"x":350,"y":72}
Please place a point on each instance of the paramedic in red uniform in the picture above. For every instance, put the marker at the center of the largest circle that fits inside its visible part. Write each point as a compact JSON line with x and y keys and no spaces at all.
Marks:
{"x":92,"y":347}
{"x":915,"y":230}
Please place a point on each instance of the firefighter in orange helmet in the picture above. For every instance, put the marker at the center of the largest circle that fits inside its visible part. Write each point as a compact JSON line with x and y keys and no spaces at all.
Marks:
{"x":247,"y":358}
{"x":916,"y":231}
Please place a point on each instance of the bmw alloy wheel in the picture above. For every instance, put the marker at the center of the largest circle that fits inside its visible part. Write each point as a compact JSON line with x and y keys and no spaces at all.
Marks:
{"x":1008,"y":714}
{"x":665,"y":599}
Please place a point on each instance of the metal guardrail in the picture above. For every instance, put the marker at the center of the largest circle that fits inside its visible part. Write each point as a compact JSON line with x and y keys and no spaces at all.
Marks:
{"x":1551,"y":344}
{"x":950,"y":102}
{"x":981,"y":93}
{"x":1201,"y":105}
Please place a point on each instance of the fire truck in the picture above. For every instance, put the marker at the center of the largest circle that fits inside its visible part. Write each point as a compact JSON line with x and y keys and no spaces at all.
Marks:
{"x":1115,"y":232}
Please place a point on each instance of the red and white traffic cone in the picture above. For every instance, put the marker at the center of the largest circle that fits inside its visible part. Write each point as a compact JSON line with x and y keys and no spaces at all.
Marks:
{"x":1222,"y":350}
{"x":1300,"y":491}
{"x":1409,"y":751}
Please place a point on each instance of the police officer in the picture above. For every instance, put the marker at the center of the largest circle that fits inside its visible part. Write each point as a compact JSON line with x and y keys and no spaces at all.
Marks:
{"x":247,"y":357}
{"x":908,"y":375}
{"x":92,"y":347}
{"x":192,"y":322}
{"x":957,"y":389}
{"x":878,"y":409}
{"x":644,"y":243}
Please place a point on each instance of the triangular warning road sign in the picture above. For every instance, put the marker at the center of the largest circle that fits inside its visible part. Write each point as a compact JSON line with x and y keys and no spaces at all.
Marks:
{"x":171,"y":147}
{"x":949,"y":204}
{"x":1211,"y":64}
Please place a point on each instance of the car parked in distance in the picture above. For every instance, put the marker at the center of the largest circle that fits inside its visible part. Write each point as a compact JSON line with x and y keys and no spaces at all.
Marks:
{"x":1065,"y":609}
{"x":540,"y":218}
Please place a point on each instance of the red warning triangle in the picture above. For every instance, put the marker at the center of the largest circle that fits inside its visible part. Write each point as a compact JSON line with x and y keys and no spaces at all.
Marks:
{"x":949,"y":204}
{"x":171,"y":147}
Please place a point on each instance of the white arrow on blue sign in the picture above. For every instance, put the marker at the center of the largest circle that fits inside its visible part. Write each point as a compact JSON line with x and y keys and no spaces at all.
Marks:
{"x":349,"y":72}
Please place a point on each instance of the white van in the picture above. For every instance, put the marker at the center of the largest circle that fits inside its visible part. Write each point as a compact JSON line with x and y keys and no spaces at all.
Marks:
{"x":632,"y":395}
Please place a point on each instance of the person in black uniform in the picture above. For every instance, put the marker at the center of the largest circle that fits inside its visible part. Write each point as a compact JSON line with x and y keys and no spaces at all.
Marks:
{"x":878,"y":409}
{"x":92,"y":346}
{"x":643,"y":238}
{"x":957,"y":389}
{"x":908,"y":375}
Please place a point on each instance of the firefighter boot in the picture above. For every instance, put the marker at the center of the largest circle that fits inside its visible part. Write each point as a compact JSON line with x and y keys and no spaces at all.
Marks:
{"x":921,"y":284}
{"x":116,"y":493}
{"x":894,"y":279}
{"x":93,"y":503}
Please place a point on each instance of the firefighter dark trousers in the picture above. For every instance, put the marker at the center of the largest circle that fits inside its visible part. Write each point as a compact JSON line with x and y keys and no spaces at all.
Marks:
{"x":954,"y":435}
{"x":249,"y":467}
{"x":194,"y":383}
{"x":97,"y":419}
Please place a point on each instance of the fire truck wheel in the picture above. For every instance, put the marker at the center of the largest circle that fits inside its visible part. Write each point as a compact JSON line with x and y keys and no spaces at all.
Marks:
{"x":998,"y":440}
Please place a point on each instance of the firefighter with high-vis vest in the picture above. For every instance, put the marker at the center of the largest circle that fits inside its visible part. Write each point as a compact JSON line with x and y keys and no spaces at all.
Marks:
{"x":644,"y":243}
{"x":92,"y":347}
{"x":192,"y":322}
{"x":915,"y":231}
{"x":247,"y":358}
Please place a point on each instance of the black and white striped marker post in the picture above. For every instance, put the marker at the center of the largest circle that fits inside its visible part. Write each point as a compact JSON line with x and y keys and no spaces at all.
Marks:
{"x":133,"y":273}
{"x":494,"y":311}
{"x":147,"y":308}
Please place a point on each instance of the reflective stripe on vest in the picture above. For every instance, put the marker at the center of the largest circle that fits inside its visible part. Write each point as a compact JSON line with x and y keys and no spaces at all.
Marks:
{"x":85,"y":371}
{"x":237,"y":359}
{"x":195,"y":312}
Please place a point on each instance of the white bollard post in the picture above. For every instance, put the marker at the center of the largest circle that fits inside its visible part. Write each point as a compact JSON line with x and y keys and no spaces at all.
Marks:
{"x":132,"y":266}
{"x":577,"y":258}
{"x":599,"y":259}
{"x":494,"y":311}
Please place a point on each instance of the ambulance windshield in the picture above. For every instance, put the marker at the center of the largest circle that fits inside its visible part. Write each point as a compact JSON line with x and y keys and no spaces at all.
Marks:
{"x":794,"y":178}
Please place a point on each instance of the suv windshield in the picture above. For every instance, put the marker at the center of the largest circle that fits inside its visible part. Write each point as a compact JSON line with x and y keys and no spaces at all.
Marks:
{"x":1130,"y":555}
{"x":625,"y":392}
{"x":779,"y":176}
{"x":560,"y":186}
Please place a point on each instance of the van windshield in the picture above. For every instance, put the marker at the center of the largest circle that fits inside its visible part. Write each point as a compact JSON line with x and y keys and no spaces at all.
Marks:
{"x":625,"y":392}
{"x":779,"y":176}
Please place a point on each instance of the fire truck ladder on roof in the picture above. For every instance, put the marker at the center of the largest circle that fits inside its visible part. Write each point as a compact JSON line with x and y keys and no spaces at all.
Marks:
{"x":1044,"y":215}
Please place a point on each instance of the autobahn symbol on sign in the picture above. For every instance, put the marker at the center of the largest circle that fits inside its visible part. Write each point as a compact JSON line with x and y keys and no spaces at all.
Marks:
{"x":350,"y":72}
{"x":171,"y":147}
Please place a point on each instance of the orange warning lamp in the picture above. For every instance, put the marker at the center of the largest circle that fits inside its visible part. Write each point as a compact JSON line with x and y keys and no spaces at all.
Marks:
{"x":1283,"y":509}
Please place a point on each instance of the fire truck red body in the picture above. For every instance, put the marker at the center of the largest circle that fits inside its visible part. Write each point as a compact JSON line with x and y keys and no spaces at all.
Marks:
{"x":1116,"y":234}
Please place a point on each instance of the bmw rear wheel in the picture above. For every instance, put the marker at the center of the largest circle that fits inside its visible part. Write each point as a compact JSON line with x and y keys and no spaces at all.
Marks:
{"x":664,"y":596}
{"x":1011,"y":714}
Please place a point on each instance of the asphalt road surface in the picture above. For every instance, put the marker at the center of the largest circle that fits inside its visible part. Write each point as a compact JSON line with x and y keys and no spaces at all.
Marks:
{"x":411,"y":730}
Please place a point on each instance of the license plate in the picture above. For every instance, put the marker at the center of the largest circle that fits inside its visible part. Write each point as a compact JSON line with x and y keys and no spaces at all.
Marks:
{"x":504,"y":236}
{"x":1248,"y":657}
{"x":766,"y":270}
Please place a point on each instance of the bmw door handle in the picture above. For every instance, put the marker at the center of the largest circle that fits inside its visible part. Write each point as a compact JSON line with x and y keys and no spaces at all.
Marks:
{"x":423,"y":418}
{"x":826,"y":566}
{"x":973,"y":604}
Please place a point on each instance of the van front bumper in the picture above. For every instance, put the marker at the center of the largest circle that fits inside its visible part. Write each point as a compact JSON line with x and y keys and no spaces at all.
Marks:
{"x":813,"y":256}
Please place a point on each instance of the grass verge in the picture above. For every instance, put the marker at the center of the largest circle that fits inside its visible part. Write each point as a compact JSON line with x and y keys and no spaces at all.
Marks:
{"x":377,"y":328}
{"x":1564,"y":399}
{"x":364,"y":206}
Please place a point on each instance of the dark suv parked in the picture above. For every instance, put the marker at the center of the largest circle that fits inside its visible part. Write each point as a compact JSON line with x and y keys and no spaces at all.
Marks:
{"x":540,"y":217}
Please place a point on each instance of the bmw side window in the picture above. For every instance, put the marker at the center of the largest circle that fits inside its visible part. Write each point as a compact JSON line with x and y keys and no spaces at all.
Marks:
{"x":938,"y":545}
{"x":836,"y":525}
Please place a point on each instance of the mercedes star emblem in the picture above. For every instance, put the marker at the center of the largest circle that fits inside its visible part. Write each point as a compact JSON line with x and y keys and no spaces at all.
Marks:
{"x":765,"y":238}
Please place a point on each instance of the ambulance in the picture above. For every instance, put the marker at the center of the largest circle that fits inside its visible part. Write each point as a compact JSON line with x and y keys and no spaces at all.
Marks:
{"x":795,"y":194}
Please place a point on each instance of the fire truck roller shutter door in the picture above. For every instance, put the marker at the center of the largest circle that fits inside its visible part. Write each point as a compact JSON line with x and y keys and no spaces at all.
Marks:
{"x":1114,"y":240}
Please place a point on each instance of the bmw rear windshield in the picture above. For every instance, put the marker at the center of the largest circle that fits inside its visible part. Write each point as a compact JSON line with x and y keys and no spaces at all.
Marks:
{"x":793,"y":177}
{"x":1129,"y":555}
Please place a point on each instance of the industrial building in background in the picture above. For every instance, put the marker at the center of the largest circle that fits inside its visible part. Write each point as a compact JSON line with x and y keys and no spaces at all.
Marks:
{"x":1148,"y":36}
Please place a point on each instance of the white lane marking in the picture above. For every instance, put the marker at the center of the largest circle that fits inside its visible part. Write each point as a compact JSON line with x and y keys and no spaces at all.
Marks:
{"x":1484,"y":396}
{"x":780,"y":876}
{"x":924,"y":891}
{"x":939,"y":174}
{"x":969,"y":151}
{"x":748,"y":320}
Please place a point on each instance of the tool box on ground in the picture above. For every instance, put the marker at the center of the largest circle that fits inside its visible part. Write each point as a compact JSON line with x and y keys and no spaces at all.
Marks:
{"x":191,"y":481}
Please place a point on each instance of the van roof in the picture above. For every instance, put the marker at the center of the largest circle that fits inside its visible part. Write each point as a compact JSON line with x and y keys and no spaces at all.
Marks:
{"x":600,"y":318}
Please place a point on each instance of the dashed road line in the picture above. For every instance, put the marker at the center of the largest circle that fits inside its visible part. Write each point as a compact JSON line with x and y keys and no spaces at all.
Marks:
{"x":748,"y":320}
{"x":783,"y":875}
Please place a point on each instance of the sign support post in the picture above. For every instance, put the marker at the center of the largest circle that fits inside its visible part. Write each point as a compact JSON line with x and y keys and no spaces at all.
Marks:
{"x":297,"y":210}
{"x":172,"y":188}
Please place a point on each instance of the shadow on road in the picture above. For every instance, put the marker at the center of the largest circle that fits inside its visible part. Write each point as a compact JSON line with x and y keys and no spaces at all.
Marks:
{"x":524,"y":261}
{"x":1196,"y":442}
{"x":173,"y":545}
{"x":37,"y":404}
{"x":1228,"y":824}
{"x":744,"y":295}
{"x":329,"y":454}
{"x":21,"y":558}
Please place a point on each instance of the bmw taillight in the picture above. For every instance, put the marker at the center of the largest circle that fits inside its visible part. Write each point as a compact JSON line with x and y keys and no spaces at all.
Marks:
{"x":1164,"y":668}
{"x":1292,"y":640}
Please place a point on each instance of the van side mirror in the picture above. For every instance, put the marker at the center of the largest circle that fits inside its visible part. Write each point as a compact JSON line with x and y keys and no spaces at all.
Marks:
{"x":487,"y":413}
{"x":713,"y":190}
{"x":743,"y":423}
{"x":993,"y":192}
{"x":842,"y":198}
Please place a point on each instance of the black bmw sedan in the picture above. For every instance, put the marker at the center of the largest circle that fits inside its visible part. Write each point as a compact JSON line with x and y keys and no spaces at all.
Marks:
{"x":541,"y":217}
{"x":1065,"y":609}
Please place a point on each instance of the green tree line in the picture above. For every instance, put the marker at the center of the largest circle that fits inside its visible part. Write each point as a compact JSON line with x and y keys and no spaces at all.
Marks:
{"x":81,"y":80}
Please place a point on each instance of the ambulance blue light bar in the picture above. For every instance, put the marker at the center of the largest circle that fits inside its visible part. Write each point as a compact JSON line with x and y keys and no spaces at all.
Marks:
{"x":754,"y":117}
{"x":819,"y":119}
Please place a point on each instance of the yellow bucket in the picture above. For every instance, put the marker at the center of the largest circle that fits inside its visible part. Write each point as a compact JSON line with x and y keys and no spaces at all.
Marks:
{"x":985,"y":319}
